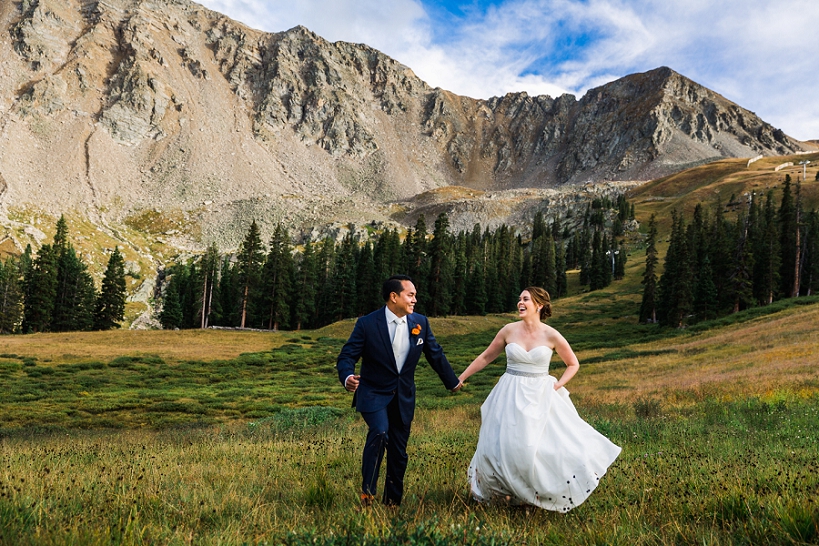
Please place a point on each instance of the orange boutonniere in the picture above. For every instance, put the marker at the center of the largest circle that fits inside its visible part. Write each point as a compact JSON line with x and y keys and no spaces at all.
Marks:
{"x":416,"y":330}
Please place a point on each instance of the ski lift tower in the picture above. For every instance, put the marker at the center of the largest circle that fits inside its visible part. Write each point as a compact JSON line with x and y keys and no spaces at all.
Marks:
{"x":804,"y":168}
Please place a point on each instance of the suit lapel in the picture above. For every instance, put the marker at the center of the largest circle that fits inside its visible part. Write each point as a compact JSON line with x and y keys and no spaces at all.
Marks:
{"x":384,"y":334}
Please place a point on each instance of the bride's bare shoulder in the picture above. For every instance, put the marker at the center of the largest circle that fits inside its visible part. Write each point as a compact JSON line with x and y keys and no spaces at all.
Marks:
{"x":508,"y":330}
{"x":551,"y":333}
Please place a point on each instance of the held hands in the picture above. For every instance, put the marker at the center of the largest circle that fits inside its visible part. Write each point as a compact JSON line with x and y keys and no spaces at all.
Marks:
{"x":352,"y":383}
{"x":457,"y":387}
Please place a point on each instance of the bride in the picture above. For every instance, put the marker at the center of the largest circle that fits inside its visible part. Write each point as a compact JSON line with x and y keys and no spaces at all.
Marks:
{"x":533,"y":447}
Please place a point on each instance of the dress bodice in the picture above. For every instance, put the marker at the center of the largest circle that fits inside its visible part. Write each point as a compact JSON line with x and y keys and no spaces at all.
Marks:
{"x":535,"y":361}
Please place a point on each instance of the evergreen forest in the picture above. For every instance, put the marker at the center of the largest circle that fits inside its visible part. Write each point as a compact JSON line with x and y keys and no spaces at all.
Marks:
{"x":54,"y":292}
{"x":720,"y":260}
{"x":716,"y":265}
{"x":467,"y":273}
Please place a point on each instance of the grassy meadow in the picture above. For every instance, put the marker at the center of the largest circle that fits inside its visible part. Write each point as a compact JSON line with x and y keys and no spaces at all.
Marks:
{"x":220,"y":437}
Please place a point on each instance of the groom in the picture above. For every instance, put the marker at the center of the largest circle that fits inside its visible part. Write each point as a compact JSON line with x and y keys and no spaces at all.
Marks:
{"x":389,"y":342}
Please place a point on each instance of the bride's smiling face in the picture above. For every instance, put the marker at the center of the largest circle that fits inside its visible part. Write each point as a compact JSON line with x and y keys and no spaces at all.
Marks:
{"x":526,"y":306}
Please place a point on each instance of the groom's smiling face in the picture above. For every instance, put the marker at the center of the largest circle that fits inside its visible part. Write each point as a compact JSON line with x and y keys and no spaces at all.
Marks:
{"x":403,"y":304}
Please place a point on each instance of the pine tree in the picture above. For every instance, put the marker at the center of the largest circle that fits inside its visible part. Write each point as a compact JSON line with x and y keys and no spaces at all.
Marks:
{"x":208,"y":284}
{"x":494,"y":290}
{"x":40,"y":291}
{"x":705,"y":297}
{"x":441,"y":274}
{"x":787,"y":239}
{"x":369,"y":294}
{"x":460,"y":276}
{"x":171,"y":316}
{"x":327,"y":300}
{"x":418,"y":265}
{"x":742,"y":274}
{"x":675,"y":292}
{"x":770,"y":255}
{"x":811,"y":274}
{"x":583,"y":249}
{"x":344,"y":278}
{"x":75,"y":295}
{"x":228,"y":312}
{"x":477,"y":303}
{"x":561,"y":281}
{"x":607,"y":257}
{"x":620,"y":258}
{"x":544,"y":270}
{"x":598,"y":263}
{"x":721,"y":251}
{"x":304,"y":306}
{"x":277,"y":279}
{"x":110,"y":307}
{"x":249,"y":265}
{"x":556,"y":231}
{"x":648,"y":311}
{"x":11,"y":295}
{"x":61,"y":233}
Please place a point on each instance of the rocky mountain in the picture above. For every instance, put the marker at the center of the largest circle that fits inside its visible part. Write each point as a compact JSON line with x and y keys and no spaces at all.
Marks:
{"x":163,"y":118}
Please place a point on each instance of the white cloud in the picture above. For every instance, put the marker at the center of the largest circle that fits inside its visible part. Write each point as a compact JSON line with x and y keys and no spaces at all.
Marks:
{"x":754,"y":52}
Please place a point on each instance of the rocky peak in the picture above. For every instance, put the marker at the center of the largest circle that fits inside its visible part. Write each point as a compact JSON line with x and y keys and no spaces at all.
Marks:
{"x":124,"y":106}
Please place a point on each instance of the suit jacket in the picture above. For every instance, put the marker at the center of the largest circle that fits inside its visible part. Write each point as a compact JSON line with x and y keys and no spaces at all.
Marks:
{"x":380,"y":380}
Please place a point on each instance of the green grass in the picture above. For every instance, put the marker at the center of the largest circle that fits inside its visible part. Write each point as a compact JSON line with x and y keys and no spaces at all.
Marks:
{"x":264,"y":448}
{"x":719,"y":473}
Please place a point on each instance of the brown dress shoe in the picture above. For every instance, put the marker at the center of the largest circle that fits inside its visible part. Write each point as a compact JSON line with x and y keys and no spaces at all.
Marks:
{"x":367,"y":500}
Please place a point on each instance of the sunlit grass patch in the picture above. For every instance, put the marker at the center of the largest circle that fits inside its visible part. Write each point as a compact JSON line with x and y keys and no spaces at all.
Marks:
{"x":735,"y":472}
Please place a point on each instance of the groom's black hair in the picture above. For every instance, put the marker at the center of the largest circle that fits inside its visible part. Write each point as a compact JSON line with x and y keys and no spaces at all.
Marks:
{"x":393,"y":284}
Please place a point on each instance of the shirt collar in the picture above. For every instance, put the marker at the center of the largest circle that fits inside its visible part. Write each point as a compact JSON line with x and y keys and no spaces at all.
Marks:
{"x":392,"y":316}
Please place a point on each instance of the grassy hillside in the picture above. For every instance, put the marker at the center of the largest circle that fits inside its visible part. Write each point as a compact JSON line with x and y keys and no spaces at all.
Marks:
{"x":721,"y":180}
{"x":247,"y":438}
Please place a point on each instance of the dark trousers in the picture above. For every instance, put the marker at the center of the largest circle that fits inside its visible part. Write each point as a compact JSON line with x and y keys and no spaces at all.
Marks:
{"x":387,"y":432}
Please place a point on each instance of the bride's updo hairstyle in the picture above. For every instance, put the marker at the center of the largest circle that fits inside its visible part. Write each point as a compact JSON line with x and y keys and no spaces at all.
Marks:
{"x":541,"y":297}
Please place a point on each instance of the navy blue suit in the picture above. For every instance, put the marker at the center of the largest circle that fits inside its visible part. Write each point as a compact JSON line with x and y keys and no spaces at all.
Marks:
{"x":385,"y":397}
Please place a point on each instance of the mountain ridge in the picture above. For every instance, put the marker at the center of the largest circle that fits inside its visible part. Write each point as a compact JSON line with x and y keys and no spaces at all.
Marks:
{"x":120,"y":108}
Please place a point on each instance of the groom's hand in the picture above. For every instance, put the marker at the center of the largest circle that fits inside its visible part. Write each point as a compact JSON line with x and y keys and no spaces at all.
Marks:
{"x":352,"y":383}
{"x":457,"y":387}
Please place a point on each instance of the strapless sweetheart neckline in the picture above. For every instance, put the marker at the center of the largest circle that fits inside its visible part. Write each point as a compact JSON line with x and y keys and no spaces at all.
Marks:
{"x":532,"y":349}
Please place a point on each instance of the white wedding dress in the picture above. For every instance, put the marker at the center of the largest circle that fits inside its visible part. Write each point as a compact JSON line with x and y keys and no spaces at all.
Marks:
{"x":533,"y":447}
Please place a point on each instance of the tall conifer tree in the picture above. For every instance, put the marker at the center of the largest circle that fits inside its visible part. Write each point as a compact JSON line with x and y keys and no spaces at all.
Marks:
{"x":278,"y":280}
{"x":741,"y":284}
{"x":208,"y":284}
{"x":11,"y":295}
{"x":171,"y":316}
{"x":441,"y":274}
{"x":40,"y":291}
{"x":110,"y":307}
{"x":306,"y":288}
{"x":367,"y":285}
{"x":561,"y":281}
{"x":648,"y":306}
{"x":250,"y":263}
{"x":787,"y":238}
{"x":75,"y":295}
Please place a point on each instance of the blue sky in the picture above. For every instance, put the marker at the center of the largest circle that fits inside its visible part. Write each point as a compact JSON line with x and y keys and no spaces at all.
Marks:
{"x":761,"y":54}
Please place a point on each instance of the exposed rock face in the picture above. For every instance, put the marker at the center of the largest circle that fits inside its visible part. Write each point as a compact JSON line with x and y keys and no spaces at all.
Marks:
{"x":116,"y":107}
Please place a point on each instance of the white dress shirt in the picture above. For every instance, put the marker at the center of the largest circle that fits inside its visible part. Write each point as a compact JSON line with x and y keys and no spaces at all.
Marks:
{"x":399,"y":325}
